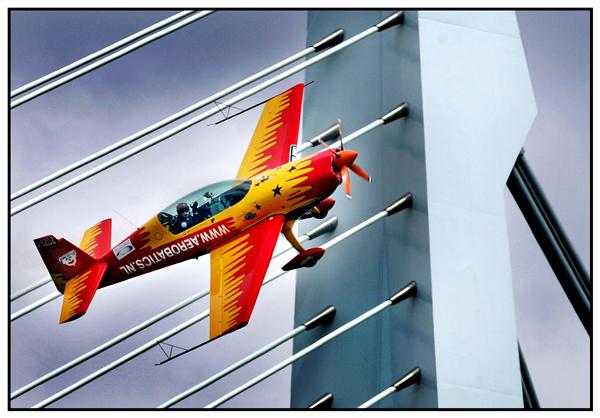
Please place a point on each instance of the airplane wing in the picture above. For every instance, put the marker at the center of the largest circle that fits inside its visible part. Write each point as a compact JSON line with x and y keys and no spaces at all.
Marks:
{"x":237,"y":269}
{"x":276,"y":132}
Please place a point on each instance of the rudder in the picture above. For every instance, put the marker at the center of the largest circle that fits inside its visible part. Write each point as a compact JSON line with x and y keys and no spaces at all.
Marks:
{"x":96,"y":240}
{"x":63,"y":260}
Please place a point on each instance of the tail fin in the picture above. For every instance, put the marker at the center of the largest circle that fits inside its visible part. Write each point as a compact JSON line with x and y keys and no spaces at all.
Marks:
{"x":96,"y":240}
{"x":75,"y":272}
{"x":63,"y":260}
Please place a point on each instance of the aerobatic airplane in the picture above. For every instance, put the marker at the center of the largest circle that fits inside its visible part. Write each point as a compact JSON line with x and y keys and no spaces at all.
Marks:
{"x":236,"y":221}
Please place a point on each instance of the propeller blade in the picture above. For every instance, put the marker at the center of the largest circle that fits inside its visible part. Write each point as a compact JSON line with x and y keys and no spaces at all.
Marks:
{"x":346,"y":181}
{"x":360,"y":172}
{"x":323,"y":143}
{"x":327,"y":146}
{"x":341,"y":134}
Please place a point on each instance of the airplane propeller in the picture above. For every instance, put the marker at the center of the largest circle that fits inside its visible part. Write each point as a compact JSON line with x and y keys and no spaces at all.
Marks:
{"x":343,"y":161}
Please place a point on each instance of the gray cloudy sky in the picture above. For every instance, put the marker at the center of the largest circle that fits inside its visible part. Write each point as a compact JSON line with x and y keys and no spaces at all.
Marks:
{"x":176,"y":71}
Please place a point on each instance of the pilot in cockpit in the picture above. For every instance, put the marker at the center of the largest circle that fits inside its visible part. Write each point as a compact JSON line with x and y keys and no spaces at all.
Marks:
{"x":208,"y":206}
{"x":185,"y":218}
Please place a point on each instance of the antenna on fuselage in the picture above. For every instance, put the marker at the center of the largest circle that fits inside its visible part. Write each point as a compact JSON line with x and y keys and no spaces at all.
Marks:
{"x":126,"y":219}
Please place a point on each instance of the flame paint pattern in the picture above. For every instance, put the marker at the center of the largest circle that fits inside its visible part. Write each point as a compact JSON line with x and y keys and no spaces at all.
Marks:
{"x":79,"y":292}
{"x":275,"y":133}
{"x":240,"y":237}
{"x":238,"y":268}
{"x":96,"y":240}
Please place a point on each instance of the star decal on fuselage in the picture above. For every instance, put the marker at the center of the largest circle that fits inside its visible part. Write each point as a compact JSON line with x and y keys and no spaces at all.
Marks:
{"x":292,"y":168}
{"x":277,"y":191}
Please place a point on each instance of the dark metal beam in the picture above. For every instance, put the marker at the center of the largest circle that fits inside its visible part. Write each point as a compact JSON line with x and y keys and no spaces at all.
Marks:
{"x":557,"y":230}
{"x":529,"y":396}
{"x":552,"y":240}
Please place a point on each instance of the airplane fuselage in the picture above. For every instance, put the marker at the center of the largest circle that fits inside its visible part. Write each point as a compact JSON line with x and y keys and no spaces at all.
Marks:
{"x":289,"y":190}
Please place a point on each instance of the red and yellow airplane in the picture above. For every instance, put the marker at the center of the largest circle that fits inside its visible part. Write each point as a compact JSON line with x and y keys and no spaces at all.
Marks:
{"x":236,"y":221}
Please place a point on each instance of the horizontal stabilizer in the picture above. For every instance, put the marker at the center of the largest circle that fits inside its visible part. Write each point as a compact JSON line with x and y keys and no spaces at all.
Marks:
{"x":79,"y":292}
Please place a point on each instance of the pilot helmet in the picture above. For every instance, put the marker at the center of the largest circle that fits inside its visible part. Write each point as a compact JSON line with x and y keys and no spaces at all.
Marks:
{"x":183,"y":209}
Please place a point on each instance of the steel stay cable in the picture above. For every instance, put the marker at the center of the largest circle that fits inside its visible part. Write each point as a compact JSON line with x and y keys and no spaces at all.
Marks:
{"x":35,"y":305}
{"x":99,"y":53}
{"x":132,"y":354}
{"x":395,"y":114}
{"x":321,"y":229}
{"x":159,"y":138}
{"x":407,"y":291}
{"x":410,"y":378}
{"x":326,"y":42}
{"x":402,"y":203}
{"x":322,"y":317}
{"x":36,"y":285}
{"x":103,"y":61}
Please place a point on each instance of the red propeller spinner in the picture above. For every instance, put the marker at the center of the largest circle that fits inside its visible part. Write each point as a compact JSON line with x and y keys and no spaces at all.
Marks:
{"x":343,"y":161}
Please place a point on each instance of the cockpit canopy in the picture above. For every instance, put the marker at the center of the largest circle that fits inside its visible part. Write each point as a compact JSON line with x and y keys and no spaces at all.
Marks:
{"x":203,"y":204}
